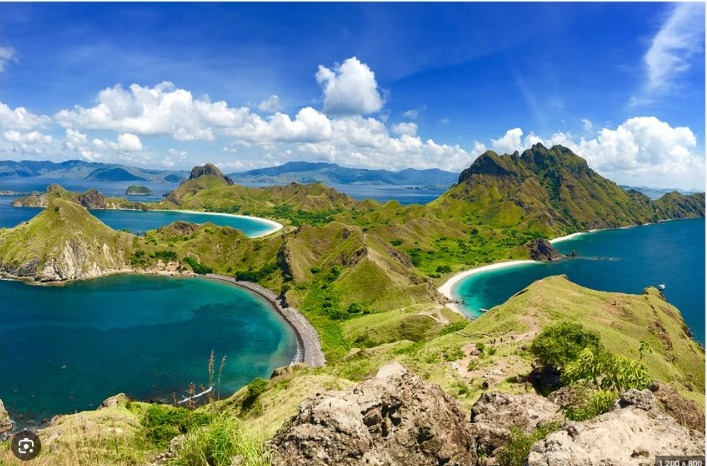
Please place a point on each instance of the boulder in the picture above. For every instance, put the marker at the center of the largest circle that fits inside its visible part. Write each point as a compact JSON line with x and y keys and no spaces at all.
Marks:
{"x":633,"y":433}
{"x":113,"y":401}
{"x":392,"y":418}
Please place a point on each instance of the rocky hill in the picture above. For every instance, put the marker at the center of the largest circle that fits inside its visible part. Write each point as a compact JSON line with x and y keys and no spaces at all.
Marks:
{"x":63,"y":242}
{"x":91,"y":199}
{"x":553,"y":191}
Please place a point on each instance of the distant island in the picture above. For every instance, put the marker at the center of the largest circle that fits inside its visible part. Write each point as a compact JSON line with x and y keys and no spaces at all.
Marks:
{"x":136,"y":190}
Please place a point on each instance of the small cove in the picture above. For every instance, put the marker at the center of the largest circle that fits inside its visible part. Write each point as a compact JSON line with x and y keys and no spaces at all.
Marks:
{"x":67,"y":348}
{"x":623,"y":260}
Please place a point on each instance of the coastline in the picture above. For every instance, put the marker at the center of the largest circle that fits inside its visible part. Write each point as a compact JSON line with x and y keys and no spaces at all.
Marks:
{"x":446,"y":288}
{"x":309,"y":348}
{"x":275,"y":226}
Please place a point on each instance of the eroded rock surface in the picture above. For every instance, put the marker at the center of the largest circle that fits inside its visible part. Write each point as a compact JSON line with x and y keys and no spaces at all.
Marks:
{"x":393,"y":418}
{"x":5,"y":422}
{"x":633,"y":433}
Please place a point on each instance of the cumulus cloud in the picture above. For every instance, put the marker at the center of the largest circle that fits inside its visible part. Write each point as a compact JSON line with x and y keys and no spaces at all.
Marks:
{"x":21,"y":118}
{"x":349,"y":88}
{"x":31,"y":142}
{"x":409,"y":129}
{"x":126,"y":143}
{"x":680,"y":37}
{"x":7,"y":54}
{"x":271,"y":105}
{"x":161,"y":110}
{"x":640,"y":151}
{"x":509,"y":142}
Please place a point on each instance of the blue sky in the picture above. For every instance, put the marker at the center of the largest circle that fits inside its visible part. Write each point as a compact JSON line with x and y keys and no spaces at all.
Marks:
{"x":171,"y":85}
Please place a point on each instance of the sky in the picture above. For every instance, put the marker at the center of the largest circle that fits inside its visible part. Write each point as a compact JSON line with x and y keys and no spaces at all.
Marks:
{"x":368,"y":85}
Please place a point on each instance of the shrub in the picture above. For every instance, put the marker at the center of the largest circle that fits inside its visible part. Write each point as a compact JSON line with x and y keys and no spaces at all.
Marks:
{"x":255,"y":389}
{"x":165,"y":255}
{"x":163,"y":423}
{"x":197,"y":267}
{"x":443,"y":269}
{"x":517,"y":450}
{"x":607,"y":371}
{"x":218,"y":443}
{"x":592,"y":404}
{"x":561,"y":344}
{"x":396,"y":242}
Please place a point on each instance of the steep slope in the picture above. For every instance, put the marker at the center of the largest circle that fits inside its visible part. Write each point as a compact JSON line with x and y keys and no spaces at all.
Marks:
{"x":550,"y":192}
{"x":91,"y":199}
{"x":63,"y":242}
{"x":676,"y":205}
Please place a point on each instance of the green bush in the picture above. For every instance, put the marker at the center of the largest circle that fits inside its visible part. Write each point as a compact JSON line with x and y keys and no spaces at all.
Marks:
{"x":517,"y":450}
{"x":607,"y":371}
{"x":443,"y":269}
{"x":255,"y":389}
{"x":592,"y":404}
{"x":165,"y":255}
{"x":218,"y":443}
{"x":396,"y":242}
{"x":197,"y":267}
{"x":163,"y":423}
{"x":560,"y":344}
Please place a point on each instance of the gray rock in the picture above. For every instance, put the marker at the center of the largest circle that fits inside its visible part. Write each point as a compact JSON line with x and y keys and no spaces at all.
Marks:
{"x":392,"y":418}
{"x":5,"y":421}
{"x":633,"y":433}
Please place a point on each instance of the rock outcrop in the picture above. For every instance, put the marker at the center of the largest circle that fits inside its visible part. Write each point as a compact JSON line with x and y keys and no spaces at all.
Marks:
{"x":392,"y":418}
{"x":495,"y":413}
{"x":542,"y":250}
{"x":208,"y":170}
{"x":5,"y":421}
{"x":633,"y":433}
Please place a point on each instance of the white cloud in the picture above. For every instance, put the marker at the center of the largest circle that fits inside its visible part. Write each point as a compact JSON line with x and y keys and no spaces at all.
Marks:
{"x":680,"y":37}
{"x":32,"y":137}
{"x":412,"y":114}
{"x":509,"y":142}
{"x":161,"y":110}
{"x":640,"y":151}
{"x":409,"y":129}
{"x":350,"y":88}
{"x":479,"y":148}
{"x":21,"y":118}
{"x":75,"y":140}
{"x":271,"y":105}
{"x":587,"y":125}
{"x":126,"y":143}
{"x":31,"y":142}
{"x":7,"y":54}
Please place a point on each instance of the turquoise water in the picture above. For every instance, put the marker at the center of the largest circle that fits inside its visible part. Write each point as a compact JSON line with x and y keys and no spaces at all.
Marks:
{"x":137,"y":221}
{"x":625,"y":260}
{"x":67,"y":348}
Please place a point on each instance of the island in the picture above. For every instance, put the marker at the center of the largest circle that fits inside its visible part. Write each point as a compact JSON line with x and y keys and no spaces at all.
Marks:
{"x":136,"y":190}
{"x":555,"y":367}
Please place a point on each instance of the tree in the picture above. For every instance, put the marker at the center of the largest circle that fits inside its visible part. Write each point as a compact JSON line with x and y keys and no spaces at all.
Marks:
{"x":560,"y":344}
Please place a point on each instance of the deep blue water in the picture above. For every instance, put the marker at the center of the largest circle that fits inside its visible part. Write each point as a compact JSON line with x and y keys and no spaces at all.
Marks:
{"x":624,"y":260}
{"x":67,"y":348}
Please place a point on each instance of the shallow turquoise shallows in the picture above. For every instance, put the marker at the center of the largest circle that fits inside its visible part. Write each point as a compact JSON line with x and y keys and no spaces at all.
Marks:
{"x":67,"y":348}
{"x":625,"y":260}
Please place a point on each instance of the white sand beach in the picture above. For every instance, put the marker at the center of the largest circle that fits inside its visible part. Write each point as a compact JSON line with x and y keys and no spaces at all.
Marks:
{"x":272,"y":223}
{"x":446,"y":288}
{"x":573,"y":235}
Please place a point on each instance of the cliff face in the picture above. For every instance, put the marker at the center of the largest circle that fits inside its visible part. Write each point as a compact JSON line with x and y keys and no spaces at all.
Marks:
{"x":64,"y":242}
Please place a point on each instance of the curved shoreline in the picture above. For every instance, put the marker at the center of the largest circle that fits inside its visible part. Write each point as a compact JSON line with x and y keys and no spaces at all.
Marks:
{"x":309,"y":349}
{"x":446,"y":288}
{"x":275,"y":226}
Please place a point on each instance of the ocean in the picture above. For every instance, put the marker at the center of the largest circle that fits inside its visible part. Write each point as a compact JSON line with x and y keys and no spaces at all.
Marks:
{"x":625,"y":260}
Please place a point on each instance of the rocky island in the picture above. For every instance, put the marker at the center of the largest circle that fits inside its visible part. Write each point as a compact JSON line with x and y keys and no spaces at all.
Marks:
{"x":136,"y":190}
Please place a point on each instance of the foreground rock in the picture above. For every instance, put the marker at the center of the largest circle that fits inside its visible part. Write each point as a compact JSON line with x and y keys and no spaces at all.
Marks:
{"x":495,"y":414}
{"x":5,"y":421}
{"x":632,"y":434}
{"x":390,"y":419}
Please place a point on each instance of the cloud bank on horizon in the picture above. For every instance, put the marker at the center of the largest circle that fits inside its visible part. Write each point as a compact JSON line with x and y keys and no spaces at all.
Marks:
{"x":354,"y":120}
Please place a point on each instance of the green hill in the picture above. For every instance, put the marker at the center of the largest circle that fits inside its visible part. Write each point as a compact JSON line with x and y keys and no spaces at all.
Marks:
{"x":551,"y":192}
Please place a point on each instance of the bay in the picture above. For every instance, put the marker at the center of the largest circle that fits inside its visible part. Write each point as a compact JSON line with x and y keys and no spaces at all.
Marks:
{"x":67,"y":348}
{"x":623,"y":260}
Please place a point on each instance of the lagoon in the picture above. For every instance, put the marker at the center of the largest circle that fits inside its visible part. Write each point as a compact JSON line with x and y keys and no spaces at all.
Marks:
{"x":67,"y":348}
{"x":624,"y":260}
